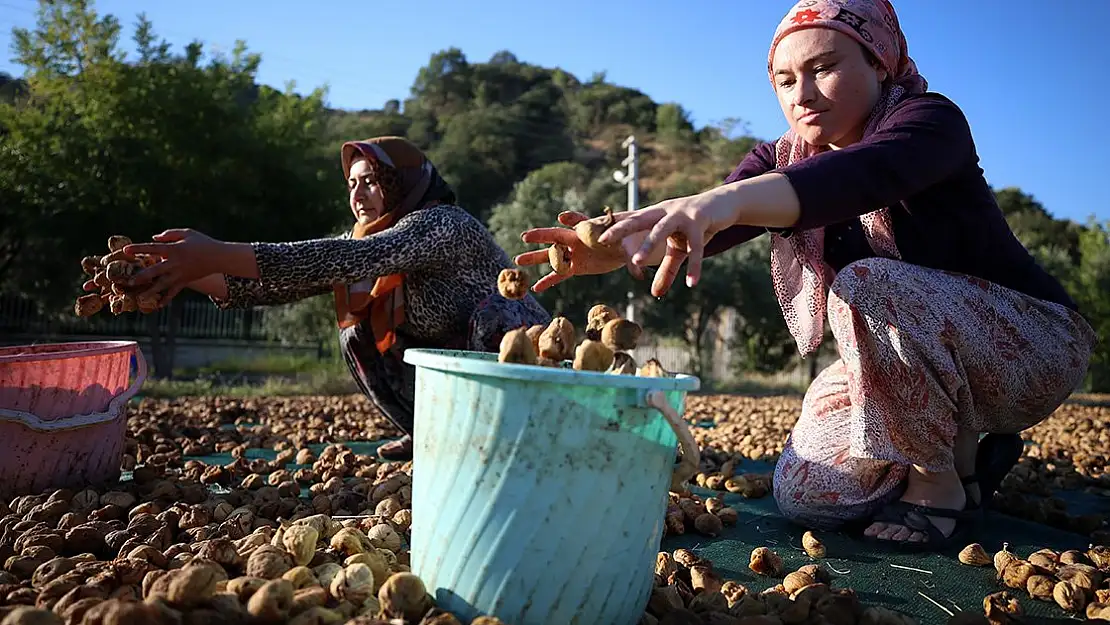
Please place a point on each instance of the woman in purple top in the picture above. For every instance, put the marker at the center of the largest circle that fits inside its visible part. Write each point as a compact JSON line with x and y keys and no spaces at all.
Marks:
{"x":882,"y":222}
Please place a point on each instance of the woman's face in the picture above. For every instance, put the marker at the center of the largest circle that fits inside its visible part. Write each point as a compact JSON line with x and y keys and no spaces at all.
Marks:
{"x":367,"y":203}
{"x":826,"y":85}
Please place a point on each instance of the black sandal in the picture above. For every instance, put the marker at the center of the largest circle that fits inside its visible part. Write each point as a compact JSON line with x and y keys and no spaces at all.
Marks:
{"x":916,"y":518}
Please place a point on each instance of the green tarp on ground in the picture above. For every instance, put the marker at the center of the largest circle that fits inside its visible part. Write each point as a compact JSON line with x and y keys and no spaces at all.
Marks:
{"x":872,"y":571}
{"x":868,"y":569}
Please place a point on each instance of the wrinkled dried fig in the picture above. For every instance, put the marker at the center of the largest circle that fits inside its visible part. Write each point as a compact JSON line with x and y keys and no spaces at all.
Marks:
{"x":813,"y":547}
{"x":974,"y":555}
{"x":403,"y":595}
{"x":300,"y":542}
{"x":355,"y":583}
{"x":516,"y":348}
{"x":765,"y":562}
{"x":1069,"y":598}
{"x":1002,"y":607}
{"x":512,"y":284}
{"x":272,"y":601}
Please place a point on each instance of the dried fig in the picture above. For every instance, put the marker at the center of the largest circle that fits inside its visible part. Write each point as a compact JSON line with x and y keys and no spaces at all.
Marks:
{"x":559,"y":257}
{"x":300,"y":542}
{"x":654,"y":369}
{"x":1017,"y":573}
{"x":796,"y":581}
{"x":1002,"y":607}
{"x":592,"y":356}
{"x":512,"y":284}
{"x":813,"y":547}
{"x":709,"y":524}
{"x":556,"y":342}
{"x":974,"y":555}
{"x":621,"y":335}
{"x":1002,"y":558}
{"x":272,"y":601}
{"x":31,"y":616}
{"x":1041,"y":587}
{"x":516,"y":348}
{"x":268,"y":562}
{"x":355,"y":583}
{"x":765,"y":562}
{"x":403,"y":596}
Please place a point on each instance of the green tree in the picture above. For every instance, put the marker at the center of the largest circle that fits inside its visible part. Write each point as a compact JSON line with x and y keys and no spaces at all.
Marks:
{"x":105,"y":145}
{"x":1054,"y":242}
{"x":672,"y":122}
{"x":1091,"y":289}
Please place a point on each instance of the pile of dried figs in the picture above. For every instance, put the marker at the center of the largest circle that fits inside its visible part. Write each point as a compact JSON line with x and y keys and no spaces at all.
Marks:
{"x":1077,"y":581}
{"x":249,"y":510}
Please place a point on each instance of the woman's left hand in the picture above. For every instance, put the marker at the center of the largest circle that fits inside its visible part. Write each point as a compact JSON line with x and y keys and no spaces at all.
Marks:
{"x":187,"y":256}
{"x":682,"y":225}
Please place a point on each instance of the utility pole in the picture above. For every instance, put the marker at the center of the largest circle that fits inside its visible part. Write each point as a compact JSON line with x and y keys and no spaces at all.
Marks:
{"x":631,"y":180}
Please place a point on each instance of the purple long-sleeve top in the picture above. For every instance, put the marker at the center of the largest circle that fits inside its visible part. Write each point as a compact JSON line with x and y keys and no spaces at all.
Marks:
{"x":922,"y":163}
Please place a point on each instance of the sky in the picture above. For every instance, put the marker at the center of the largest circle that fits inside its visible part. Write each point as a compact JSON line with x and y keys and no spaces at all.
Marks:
{"x":1030,"y":77}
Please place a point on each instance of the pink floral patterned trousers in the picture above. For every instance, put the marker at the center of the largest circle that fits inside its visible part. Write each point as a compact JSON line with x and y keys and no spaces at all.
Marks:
{"x":922,"y":353}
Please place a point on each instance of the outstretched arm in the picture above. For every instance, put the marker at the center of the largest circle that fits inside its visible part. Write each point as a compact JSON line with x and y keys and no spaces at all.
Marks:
{"x":236,"y":292}
{"x":420,"y":241}
{"x":282,"y":272}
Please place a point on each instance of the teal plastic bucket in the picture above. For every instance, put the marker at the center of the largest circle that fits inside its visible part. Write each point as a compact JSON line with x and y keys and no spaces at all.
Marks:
{"x":538,"y":493}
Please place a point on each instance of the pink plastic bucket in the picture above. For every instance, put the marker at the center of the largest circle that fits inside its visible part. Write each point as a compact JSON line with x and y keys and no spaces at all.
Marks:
{"x":63,"y":413}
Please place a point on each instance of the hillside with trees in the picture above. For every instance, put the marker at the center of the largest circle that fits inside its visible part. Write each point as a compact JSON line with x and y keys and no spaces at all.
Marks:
{"x":94,"y":142}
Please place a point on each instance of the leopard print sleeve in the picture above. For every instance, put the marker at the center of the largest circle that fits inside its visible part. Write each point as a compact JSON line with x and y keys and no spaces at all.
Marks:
{"x":420,"y":241}
{"x":245,"y":292}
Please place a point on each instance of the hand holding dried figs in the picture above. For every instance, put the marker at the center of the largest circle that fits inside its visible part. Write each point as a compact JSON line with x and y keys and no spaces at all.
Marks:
{"x":111,"y":281}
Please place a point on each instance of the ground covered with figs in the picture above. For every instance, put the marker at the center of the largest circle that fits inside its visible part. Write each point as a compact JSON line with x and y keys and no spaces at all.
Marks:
{"x":260,"y":511}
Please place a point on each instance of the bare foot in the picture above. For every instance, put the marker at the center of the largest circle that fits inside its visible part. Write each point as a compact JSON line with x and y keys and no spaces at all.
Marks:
{"x":936,"y":490}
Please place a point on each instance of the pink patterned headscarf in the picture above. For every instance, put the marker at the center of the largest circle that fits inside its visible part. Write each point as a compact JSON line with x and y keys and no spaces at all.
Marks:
{"x":873,"y":23}
{"x":801,"y":275}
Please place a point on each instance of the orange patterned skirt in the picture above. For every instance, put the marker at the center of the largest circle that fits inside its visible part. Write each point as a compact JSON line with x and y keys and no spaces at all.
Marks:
{"x":922,"y":353}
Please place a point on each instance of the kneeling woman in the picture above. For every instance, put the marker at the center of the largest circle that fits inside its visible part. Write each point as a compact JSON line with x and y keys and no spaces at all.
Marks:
{"x":415,"y":271}
{"x":883,"y":223}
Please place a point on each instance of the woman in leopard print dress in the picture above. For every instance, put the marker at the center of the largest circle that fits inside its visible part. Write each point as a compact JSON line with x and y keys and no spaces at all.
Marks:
{"x":415,"y":271}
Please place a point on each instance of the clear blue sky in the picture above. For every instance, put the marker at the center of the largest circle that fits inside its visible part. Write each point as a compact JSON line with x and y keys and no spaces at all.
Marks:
{"x":1031,"y":77}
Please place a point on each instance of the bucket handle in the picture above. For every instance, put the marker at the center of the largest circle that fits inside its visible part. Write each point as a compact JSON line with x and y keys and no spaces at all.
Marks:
{"x":691,"y":455}
{"x":36,"y":423}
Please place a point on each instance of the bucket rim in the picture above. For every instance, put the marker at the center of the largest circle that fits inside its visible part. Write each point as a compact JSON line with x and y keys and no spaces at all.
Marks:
{"x":486,"y":364}
{"x":71,"y":349}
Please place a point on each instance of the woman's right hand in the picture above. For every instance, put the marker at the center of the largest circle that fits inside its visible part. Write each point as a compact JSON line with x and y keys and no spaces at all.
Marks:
{"x":583,"y":260}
